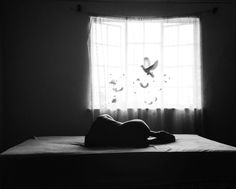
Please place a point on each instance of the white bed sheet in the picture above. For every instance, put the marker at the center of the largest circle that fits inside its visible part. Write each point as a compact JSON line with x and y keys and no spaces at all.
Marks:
{"x":72,"y":145}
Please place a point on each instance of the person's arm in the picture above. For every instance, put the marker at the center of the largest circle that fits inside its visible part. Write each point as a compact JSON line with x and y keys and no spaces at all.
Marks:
{"x":161,"y":137}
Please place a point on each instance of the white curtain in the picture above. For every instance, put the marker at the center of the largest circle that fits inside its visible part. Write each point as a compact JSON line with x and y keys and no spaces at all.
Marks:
{"x":148,"y":69}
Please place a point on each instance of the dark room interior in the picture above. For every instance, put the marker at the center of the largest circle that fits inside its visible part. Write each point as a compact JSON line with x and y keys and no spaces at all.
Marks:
{"x":44,"y":70}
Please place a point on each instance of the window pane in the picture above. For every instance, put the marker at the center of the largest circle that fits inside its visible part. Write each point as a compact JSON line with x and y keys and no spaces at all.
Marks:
{"x":96,"y":96}
{"x":114,"y":56}
{"x":101,"y":54}
{"x":186,"y":34}
{"x":114,"y":73}
{"x":152,"y":32}
{"x":134,"y":73}
{"x":170,"y":97}
{"x":114,"y":35}
{"x":123,"y":53}
{"x":170,"y":35}
{"x":186,"y":76}
{"x":170,"y":56}
{"x":100,"y":76}
{"x":186,"y":97}
{"x":95,"y":77}
{"x":100,"y":33}
{"x":170,"y":77}
{"x":135,"y":54}
{"x":186,"y":56}
{"x":152,"y":52}
{"x":135,"y":32}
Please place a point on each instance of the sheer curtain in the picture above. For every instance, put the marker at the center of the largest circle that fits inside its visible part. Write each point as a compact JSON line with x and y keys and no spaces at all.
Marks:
{"x":148,"y":69}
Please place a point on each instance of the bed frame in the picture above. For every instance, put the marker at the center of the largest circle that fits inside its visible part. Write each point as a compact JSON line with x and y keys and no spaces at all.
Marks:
{"x":63,"y":162}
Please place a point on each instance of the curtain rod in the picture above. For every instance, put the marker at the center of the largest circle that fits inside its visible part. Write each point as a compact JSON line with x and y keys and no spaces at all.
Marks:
{"x":161,"y":1}
{"x":213,"y":11}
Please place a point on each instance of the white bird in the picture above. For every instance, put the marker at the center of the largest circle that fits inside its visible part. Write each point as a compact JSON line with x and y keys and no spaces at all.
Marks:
{"x":148,"y":68}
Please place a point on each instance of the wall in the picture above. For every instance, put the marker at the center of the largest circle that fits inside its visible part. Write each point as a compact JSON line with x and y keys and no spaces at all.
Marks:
{"x":1,"y":99}
{"x":219,"y":59}
{"x":46,"y":72}
{"x":1,"y":80}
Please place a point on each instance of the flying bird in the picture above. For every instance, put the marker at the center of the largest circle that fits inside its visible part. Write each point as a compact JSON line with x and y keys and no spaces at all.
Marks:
{"x":148,"y":68}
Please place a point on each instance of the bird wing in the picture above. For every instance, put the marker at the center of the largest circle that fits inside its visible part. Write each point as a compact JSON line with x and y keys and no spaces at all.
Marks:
{"x":152,"y":67}
{"x":146,"y":62}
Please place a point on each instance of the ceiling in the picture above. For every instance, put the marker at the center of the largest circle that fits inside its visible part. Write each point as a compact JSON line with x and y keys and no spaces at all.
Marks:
{"x":163,"y":1}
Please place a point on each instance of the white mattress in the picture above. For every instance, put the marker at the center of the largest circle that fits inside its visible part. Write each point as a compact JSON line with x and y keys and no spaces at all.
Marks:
{"x":59,"y":161}
{"x":72,"y":145}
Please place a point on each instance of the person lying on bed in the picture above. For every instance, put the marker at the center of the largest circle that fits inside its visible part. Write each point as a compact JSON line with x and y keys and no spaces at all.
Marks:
{"x":105,"y":132}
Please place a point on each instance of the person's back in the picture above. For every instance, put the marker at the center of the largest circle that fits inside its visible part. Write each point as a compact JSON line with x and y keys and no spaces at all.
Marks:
{"x":102,"y":132}
{"x":105,"y":131}
{"x":132,"y":133}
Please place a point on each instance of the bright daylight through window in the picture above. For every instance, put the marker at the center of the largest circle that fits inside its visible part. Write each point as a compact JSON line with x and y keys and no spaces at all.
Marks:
{"x":145,"y":63}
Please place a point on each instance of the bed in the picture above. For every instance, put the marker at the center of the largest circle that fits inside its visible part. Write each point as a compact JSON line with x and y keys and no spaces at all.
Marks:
{"x":64,"y":162}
